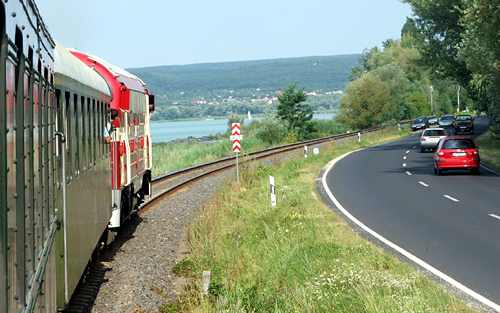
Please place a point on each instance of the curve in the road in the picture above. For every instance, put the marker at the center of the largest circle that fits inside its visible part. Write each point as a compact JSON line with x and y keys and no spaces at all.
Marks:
{"x":397,"y":248}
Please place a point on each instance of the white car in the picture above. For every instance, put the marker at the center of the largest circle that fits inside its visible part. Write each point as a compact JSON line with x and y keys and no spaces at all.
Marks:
{"x":430,"y":138}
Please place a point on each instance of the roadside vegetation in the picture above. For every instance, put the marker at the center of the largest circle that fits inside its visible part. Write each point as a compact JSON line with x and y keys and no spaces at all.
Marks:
{"x":489,"y":150}
{"x":258,"y":135}
{"x":297,"y":256}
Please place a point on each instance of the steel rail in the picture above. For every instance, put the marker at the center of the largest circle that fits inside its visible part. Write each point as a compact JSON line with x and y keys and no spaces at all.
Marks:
{"x":210,"y":168}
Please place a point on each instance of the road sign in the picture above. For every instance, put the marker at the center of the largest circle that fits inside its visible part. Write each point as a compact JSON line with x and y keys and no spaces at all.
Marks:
{"x":236,"y":129}
{"x":236,"y":137}
{"x":236,"y":146}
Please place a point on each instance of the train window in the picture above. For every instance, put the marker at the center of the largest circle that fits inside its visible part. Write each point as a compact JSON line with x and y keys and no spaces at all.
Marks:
{"x":104,"y":120}
{"x":101,"y":130}
{"x":59,"y":144}
{"x":77,"y":132}
{"x":138,"y":102}
{"x":69,"y":137}
{"x":103,"y":125}
{"x":89,"y":132}
{"x":94,"y":128}
{"x":84,"y":134}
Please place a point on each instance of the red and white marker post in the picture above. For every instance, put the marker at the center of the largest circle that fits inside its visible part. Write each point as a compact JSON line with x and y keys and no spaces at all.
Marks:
{"x":236,"y":138}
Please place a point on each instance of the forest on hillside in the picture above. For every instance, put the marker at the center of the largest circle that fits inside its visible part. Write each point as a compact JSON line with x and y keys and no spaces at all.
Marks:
{"x":221,"y":89}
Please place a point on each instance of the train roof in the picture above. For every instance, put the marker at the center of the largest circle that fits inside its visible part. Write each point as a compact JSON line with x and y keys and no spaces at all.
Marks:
{"x":68,"y":65}
{"x":120,"y":74}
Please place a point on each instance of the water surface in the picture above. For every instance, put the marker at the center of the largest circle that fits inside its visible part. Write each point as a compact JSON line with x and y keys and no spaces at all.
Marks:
{"x":168,"y":131}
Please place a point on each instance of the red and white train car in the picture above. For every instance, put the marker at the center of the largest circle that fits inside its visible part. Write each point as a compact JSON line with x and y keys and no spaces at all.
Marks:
{"x":131,"y":145}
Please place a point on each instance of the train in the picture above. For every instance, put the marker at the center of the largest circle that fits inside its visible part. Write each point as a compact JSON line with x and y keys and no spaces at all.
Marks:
{"x":64,"y":190}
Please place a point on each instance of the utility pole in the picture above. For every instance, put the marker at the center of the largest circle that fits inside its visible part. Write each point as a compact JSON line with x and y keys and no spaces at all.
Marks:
{"x":432,"y":107}
{"x":458,"y":98}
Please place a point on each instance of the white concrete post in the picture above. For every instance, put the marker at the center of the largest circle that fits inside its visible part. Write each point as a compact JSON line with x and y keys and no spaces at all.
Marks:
{"x":273,"y":192}
{"x":205,"y":282}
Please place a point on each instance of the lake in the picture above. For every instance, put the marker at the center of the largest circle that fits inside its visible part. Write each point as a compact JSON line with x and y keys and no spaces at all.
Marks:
{"x":168,"y":131}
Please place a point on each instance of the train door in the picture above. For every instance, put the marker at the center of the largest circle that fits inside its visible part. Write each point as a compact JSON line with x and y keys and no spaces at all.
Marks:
{"x":60,"y":170}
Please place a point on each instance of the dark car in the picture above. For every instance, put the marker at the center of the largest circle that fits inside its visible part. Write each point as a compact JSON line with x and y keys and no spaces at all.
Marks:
{"x":419,"y":123}
{"x":455,"y":153}
{"x":463,"y":123}
{"x":446,"y":120}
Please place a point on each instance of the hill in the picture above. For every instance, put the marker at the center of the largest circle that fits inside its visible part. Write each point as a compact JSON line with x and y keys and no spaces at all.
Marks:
{"x":211,"y":89}
{"x":313,"y":73}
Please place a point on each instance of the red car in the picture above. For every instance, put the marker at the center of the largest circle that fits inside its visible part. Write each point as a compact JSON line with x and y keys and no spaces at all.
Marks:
{"x":455,"y":153}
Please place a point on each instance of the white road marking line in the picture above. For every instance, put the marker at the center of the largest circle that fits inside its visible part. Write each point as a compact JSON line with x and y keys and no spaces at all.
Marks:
{"x":423,"y":184}
{"x":451,"y":198}
{"x":407,"y":254}
{"x":409,"y":173}
{"x":495,"y":216}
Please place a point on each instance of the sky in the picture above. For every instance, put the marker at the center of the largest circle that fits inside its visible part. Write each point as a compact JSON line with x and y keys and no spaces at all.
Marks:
{"x":132,"y":34}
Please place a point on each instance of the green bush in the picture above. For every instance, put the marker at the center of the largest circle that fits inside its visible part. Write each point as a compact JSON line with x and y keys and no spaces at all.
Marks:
{"x":272,"y":131}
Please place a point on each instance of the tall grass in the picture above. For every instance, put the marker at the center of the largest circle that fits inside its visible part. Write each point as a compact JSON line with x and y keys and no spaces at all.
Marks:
{"x":168,"y":157}
{"x":297,"y":256}
{"x":489,"y":150}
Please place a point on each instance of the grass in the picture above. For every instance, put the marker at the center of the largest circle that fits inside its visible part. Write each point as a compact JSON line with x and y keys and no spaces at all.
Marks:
{"x":489,"y":150}
{"x":297,"y":256}
{"x":168,"y":157}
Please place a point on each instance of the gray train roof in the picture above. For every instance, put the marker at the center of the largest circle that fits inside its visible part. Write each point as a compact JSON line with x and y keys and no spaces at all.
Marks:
{"x":70,"y":66}
{"x":118,"y":71}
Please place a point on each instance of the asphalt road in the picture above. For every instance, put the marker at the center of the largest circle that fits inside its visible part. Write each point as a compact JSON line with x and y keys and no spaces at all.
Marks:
{"x":448,"y":224}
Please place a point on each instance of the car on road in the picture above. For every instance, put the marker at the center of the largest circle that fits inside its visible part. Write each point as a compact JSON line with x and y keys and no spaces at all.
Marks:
{"x":463,"y":123}
{"x":433,"y":120}
{"x":419,"y":123}
{"x":446,"y":120}
{"x":456,"y":153}
{"x":430,"y":138}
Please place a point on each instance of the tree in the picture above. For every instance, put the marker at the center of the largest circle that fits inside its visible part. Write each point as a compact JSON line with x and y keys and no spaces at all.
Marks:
{"x":234,"y":118}
{"x":438,"y":23}
{"x":480,"y":49}
{"x":419,"y":102}
{"x":365,"y":104}
{"x":293,"y":110}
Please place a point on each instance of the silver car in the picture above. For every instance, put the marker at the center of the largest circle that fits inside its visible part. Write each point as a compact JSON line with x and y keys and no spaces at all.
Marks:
{"x":419,"y":123}
{"x":433,"y":120}
{"x":430,"y":138}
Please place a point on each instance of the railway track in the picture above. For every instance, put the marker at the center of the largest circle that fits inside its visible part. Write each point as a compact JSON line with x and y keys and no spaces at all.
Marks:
{"x":166,"y":185}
